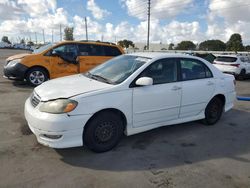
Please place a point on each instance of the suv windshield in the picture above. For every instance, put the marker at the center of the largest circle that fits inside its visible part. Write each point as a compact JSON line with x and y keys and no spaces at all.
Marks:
{"x":226,"y":59}
{"x":42,"y":48}
{"x":117,"y":69}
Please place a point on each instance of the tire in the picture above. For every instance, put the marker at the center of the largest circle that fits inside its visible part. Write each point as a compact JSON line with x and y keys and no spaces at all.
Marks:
{"x":36,"y":76}
{"x":242,"y":75}
{"x":213,"y":111}
{"x":103,"y":132}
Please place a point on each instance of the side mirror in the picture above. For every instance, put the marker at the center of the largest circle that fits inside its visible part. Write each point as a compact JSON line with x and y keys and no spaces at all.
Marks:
{"x":144,"y":81}
{"x":54,"y":53}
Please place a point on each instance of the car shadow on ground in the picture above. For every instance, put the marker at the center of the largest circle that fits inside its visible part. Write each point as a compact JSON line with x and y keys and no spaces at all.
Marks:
{"x":21,"y":84}
{"x":170,"y":146}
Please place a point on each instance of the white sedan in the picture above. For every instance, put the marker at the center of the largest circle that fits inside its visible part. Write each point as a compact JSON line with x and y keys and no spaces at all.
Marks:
{"x":129,"y":94}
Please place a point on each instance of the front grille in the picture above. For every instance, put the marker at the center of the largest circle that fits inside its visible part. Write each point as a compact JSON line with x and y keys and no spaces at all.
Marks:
{"x":34,"y":99}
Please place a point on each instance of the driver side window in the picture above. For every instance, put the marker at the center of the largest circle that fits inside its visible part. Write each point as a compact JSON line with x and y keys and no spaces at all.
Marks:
{"x":162,"y":71}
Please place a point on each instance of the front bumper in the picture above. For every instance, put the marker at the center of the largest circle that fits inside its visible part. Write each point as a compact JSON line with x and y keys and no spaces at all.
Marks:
{"x":16,"y":72}
{"x":68,"y":129}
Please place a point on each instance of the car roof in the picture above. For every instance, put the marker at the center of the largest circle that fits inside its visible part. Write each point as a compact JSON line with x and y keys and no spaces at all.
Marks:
{"x":88,"y":42}
{"x":228,"y":56}
{"x":157,"y":55}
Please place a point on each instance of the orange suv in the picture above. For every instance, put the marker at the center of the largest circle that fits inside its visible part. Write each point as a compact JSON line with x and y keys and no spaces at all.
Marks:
{"x":60,"y":59}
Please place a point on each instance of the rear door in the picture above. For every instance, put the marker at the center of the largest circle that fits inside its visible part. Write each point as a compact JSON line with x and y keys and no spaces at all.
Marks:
{"x":91,"y":55}
{"x":198,"y":86}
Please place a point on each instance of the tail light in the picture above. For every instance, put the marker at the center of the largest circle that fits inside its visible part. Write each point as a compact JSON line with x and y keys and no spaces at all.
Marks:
{"x":235,"y":65}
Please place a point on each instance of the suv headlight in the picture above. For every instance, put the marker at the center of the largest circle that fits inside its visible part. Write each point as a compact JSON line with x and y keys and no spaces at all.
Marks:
{"x":58,"y":106}
{"x":13,"y":62}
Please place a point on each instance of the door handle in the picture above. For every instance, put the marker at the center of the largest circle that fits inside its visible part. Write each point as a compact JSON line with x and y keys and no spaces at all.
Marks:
{"x":175,"y":88}
{"x":209,"y":83}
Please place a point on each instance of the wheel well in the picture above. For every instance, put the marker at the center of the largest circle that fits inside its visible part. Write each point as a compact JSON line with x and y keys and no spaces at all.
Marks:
{"x":116,"y":111}
{"x":243,"y":69}
{"x":221,"y":97}
{"x":41,"y":67}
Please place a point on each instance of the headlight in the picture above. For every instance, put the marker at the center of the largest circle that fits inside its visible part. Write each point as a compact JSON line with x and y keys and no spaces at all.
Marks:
{"x":58,"y":106}
{"x":14,"y":62}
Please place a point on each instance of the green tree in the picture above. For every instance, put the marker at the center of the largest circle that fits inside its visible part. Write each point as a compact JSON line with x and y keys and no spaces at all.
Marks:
{"x":68,"y":33}
{"x":212,"y":45}
{"x":6,"y":39}
{"x":30,"y":43}
{"x":247,"y":48}
{"x":22,"y":41}
{"x":171,"y":46}
{"x":235,"y":43}
{"x":186,"y":45}
{"x":126,"y":43}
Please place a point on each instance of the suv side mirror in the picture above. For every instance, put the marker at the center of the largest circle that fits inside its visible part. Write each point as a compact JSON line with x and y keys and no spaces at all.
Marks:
{"x":144,"y":81}
{"x":54,"y":53}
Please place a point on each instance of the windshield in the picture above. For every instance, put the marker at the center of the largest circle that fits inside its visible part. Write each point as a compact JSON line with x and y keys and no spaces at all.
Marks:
{"x":42,"y":48}
{"x":117,"y":69}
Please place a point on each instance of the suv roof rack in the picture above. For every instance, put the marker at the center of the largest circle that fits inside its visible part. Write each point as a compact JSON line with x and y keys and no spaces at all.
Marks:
{"x":97,"y":41}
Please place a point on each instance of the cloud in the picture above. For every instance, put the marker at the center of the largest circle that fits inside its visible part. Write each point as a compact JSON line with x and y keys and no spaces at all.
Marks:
{"x":94,"y":28}
{"x":226,"y":17}
{"x":10,"y":10}
{"x":159,"y":8}
{"x":37,"y":8}
{"x":48,"y":22}
{"x":96,"y":11}
{"x":231,"y":11}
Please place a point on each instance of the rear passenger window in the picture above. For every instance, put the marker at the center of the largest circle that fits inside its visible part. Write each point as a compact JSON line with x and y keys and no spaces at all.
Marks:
{"x":193,"y":69}
{"x":111,"y":51}
{"x":90,"y":50}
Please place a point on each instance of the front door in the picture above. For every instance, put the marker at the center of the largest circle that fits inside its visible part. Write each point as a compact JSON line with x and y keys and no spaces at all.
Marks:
{"x":59,"y":66}
{"x":159,"y":102}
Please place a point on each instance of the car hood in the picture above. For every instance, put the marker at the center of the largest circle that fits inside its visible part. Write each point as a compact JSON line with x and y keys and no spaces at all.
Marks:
{"x":68,"y":86}
{"x":18,"y":56}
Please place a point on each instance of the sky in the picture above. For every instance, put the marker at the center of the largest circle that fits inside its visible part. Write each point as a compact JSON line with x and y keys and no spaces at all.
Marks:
{"x":172,"y":21}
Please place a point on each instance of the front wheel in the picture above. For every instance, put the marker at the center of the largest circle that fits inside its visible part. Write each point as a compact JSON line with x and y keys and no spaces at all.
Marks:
{"x":36,"y":76}
{"x":213,"y":111}
{"x":103,"y":132}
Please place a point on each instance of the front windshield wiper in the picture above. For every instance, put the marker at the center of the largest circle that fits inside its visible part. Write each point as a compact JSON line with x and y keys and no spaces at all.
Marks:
{"x":99,"y":78}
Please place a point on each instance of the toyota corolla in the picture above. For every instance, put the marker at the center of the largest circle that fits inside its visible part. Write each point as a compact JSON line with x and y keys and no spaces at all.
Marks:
{"x":129,"y":94}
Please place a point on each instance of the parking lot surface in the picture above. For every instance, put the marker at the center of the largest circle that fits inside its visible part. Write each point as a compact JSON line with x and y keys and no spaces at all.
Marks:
{"x":184,"y":155}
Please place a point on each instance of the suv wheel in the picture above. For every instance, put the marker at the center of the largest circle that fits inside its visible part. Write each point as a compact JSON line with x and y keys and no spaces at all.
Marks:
{"x":242,"y":74}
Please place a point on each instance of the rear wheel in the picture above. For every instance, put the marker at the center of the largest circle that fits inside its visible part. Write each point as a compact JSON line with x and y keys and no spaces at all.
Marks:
{"x":103,"y":132}
{"x":36,"y":76}
{"x":213,"y":111}
{"x":242,"y":74}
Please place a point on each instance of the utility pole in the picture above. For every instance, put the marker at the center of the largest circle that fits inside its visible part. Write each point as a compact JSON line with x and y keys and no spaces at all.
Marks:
{"x":52,"y":36}
{"x":60,"y":32}
{"x":43,"y":37}
{"x":36,"y":37}
{"x":86,"y":28}
{"x":148,"y":24}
